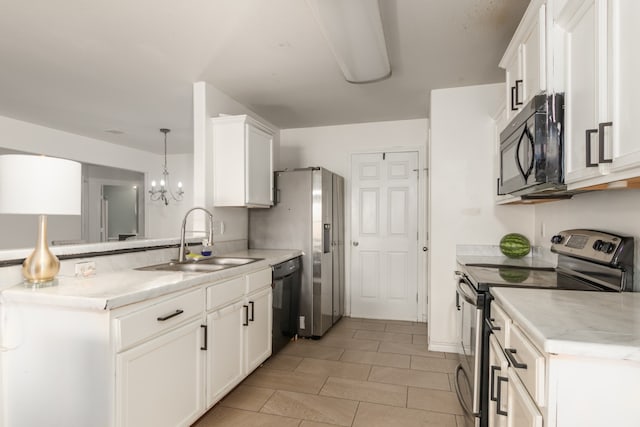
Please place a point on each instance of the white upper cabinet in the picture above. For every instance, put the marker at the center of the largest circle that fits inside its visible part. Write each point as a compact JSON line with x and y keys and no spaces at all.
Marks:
{"x":525,"y":59}
{"x":600,"y":67}
{"x":624,"y":68}
{"x":243,"y":162}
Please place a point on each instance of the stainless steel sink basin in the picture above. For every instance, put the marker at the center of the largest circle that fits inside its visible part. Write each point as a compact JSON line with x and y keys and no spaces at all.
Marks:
{"x":206,"y":265}
{"x":228,"y":261}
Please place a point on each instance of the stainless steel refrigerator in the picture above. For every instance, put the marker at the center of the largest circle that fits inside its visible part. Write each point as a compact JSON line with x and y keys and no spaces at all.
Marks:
{"x":308,"y":214}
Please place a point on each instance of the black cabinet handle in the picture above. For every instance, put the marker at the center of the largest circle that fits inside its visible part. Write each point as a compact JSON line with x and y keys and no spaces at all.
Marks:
{"x":491,"y":326}
{"x":588,"y":134}
{"x":246,"y":315}
{"x":513,"y":99}
{"x":517,"y":87}
{"x":170,"y":315}
{"x":492,"y":380}
{"x":601,"y":127}
{"x":204,"y":347}
{"x":499,"y":397}
{"x":510,"y":353}
{"x":252,"y":318}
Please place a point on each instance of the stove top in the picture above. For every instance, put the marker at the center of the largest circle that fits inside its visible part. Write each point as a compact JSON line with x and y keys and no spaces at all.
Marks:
{"x":588,"y":260}
{"x":485,"y":277}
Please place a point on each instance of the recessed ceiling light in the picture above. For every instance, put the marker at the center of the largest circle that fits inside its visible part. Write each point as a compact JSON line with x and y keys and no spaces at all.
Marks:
{"x":115,"y":131}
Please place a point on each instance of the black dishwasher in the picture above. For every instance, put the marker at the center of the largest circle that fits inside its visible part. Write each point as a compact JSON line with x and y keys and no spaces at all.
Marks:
{"x":286,"y":301}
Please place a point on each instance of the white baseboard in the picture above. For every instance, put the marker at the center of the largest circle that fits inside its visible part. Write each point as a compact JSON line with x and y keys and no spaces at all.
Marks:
{"x":443,"y":347}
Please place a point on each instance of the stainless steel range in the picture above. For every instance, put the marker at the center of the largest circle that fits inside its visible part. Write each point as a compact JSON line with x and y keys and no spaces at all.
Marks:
{"x":588,"y":260}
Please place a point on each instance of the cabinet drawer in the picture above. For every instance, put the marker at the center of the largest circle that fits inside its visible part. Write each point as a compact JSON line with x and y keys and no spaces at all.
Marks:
{"x":158,"y":317}
{"x":501,"y":323}
{"x":223,"y":293}
{"x":527,"y":362}
{"x":258,"y":280}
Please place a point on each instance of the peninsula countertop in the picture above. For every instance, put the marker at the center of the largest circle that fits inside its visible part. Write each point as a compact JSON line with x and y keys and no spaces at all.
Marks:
{"x":112,"y":290}
{"x":587,"y":324}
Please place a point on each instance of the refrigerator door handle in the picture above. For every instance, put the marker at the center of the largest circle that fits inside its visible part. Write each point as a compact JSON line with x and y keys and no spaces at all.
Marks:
{"x":326,"y":239}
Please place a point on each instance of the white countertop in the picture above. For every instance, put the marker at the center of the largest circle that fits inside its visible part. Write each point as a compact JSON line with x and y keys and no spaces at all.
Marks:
{"x":577,"y":323}
{"x":78,"y":249}
{"x":128,"y":286}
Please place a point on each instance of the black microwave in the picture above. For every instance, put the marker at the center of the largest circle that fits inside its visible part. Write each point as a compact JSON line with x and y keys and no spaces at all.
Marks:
{"x":531,"y":149}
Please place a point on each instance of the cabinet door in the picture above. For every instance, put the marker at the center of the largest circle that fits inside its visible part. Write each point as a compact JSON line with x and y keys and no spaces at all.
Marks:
{"x":521,"y":410}
{"x":584,"y":66}
{"x":225,"y":341}
{"x":533,"y":59}
{"x":514,"y":84}
{"x":624,"y":71}
{"x":159,"y":382}
{"x":258,"y":332}
{"x":259,"y":170}
{"x":498,"y":390}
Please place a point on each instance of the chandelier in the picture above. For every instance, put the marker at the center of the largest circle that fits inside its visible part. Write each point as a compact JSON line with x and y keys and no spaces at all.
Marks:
{"x":164,"y":192}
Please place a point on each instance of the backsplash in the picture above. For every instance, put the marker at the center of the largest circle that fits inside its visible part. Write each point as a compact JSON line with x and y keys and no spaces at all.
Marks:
{"x":12,"y":275}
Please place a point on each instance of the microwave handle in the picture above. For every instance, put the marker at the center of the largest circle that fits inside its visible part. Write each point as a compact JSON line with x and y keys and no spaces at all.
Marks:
{"x":527,"y":134}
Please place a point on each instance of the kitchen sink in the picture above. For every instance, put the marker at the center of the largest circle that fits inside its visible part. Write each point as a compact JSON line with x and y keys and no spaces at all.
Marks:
{"x":227,"y":261}
{"x":206,"y":265}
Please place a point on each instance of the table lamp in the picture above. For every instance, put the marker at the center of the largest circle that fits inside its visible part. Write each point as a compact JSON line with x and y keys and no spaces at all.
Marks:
{"x":40,"y":185}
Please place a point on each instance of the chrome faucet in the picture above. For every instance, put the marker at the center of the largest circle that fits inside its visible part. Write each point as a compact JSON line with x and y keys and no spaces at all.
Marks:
{"x":181,"y":253}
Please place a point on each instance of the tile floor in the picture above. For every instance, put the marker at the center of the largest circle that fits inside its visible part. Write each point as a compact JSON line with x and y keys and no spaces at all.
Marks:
{"x":361,"y":373}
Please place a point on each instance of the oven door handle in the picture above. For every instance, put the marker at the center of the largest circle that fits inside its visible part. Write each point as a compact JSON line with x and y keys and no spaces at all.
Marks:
{"x":468,"y":297}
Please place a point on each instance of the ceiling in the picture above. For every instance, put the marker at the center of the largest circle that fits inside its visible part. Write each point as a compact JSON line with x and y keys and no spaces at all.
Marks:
{"x":98,"y":68}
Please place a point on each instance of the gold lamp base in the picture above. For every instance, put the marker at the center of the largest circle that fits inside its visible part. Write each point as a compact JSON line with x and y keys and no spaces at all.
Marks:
{"x":41,"y":267}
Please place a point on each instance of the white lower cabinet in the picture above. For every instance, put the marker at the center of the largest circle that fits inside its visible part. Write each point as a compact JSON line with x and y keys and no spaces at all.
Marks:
{"x":498,"y":390}
{"x":225,"y":363}
{"x":258,"y":333}
{"x":160,"y":362}
{"x":521,"y":410}
{"x":238,"y":331}
{"x":555,"y":390}
{"x":159,"y":382}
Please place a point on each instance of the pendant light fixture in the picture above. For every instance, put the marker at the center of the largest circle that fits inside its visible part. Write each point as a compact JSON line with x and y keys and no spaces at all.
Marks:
{"x":164,"y":192}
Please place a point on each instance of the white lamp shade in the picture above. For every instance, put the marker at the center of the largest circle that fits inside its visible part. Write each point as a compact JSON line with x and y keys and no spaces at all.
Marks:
{"x":39,"y":185}
{"x":354,"y":31}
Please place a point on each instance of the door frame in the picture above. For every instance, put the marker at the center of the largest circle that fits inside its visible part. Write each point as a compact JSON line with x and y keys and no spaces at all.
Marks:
{"x":422,"y":305}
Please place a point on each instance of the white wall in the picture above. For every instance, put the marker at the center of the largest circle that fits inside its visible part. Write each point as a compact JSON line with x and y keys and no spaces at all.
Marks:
{"x":160,"y":220}
{"x":210,"y":102}
{"x":461,"y":188}
{"x":331,"y":147}
{"x":617,"y":211}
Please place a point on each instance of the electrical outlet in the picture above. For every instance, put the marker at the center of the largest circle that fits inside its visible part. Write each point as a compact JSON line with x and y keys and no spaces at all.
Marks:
{"x":221,"y":227}
{"x":85,"y":269}
{"x":302,"y":322}
{"x":543,"y":229}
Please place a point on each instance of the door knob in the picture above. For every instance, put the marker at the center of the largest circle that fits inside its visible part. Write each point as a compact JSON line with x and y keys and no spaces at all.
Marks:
{"x":355,"y":243}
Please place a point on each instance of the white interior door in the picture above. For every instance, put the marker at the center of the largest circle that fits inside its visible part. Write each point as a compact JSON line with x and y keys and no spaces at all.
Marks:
{"x":384,"y":235}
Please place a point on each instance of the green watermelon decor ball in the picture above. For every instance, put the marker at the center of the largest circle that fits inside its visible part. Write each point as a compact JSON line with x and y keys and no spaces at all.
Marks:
{"x":515,"y":245}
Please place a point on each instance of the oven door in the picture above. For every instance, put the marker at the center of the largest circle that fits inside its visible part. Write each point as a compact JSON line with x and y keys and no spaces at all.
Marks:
{"x":470,"y":309}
